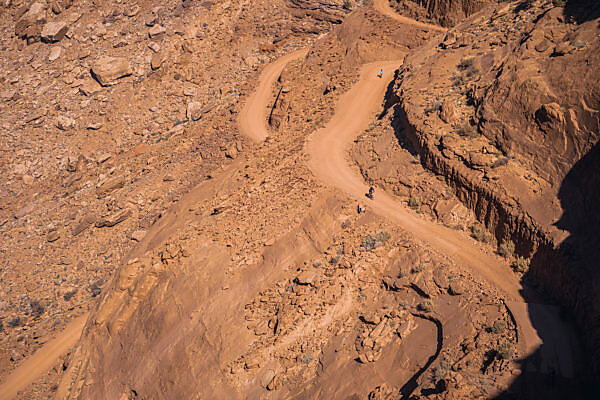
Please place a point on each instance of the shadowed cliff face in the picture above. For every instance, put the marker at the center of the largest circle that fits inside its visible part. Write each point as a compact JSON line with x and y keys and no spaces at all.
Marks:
{"x":582,"y":10}
{"x":571,"y":274}
{"x":579,"y":195}
{"x":443,"y":12}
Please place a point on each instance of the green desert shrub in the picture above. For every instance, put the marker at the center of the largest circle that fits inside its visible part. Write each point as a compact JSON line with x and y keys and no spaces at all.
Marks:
{"x":480,"y":234}
{"x":505,"y":351}
{"x":414,"y":201}
{"x":466,"y":62}
{"x":521,"y":264}
{"x":498,"y":327}
{"x":506,"y":249}
{"x":371,"y":242}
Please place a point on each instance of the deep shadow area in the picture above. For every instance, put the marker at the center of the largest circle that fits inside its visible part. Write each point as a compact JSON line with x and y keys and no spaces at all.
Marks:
{"x":570,"y":274}
{"x":582,"y":10}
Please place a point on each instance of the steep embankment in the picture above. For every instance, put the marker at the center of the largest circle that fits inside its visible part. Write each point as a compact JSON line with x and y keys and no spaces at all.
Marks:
{"x":444,"y":12}
{"x":327,"y":148}
{"x":503,"y":107}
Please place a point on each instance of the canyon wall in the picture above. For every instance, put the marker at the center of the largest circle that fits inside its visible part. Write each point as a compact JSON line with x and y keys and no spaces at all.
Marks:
{"x":506,"y":108}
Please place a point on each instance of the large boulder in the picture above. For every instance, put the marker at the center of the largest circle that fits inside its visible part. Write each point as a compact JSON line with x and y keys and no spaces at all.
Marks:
{"x":54,"y":31}
{"x":107,"y":70}
{"x":30,"y":21}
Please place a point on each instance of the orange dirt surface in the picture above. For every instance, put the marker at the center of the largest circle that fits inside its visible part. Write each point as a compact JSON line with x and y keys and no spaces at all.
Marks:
{"x":42,"y":360}
{"x":256,"y":266}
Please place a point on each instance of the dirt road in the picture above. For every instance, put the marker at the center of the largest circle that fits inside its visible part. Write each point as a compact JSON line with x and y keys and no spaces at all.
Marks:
{"x":252,"y":117}
{"x":42,"y":360}
{"x":328,"y":148}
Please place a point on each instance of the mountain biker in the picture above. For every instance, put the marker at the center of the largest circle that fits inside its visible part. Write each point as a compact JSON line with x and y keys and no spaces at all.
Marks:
{"x":371,"y":193}
{"x":380,"y":74}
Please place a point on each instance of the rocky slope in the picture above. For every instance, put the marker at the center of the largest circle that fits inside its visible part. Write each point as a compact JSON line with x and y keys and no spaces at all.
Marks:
{"x":213,"y":266}
{"x":111,"y":111}
{"x":313,"y":293}
{"x":504,"y":107}
{"x":444,"y":12}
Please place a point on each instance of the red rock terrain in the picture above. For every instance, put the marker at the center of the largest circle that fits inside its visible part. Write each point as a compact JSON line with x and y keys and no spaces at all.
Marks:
{"x":184,"y":215}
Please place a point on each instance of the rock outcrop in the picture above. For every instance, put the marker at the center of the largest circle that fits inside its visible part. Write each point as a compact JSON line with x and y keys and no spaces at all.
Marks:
{"x":525,"y":89}
{"x":443,"y":12}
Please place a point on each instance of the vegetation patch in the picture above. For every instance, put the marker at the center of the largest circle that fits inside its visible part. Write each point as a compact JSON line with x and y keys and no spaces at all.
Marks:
{"x":521,"y":264}
{"x":480,"y":234}
{"x":371,"y":242}
{"x":506,"y":249}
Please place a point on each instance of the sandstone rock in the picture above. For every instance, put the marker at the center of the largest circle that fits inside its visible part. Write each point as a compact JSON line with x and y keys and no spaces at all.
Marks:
{"x":155,"y":47}
{"x":53,"y":236}
{"x":65,"y":123}
{"x":156,"y":30}
{"x":24,"y":211}
{"x":114,"y":219}
{"x":90,"y":87}
{"x":85,"y":223}
{"x":251,"y":61}
{"x":28,"y":179}
{"x":138,"y":235}
{"x":54,"y":31}
{"x":448,"y":112}
{"x":30,"y":24}
{"x":478,"y":160}
{"x":456,"y":288}
{"x":101,"y":158}
{"x":306,"y":278}
{"x":231,"y":151}
{"x":157,"y":60}
{"x":564,"y":49}
{"x":132,"y":11}
{"x":194,"y":111}
{"x":107,"y":70}
{"x":55,"y":53}
{"x":266,"y":379}
{"x":275,"y":383}
{"x":94,"y":126}
{"x":108,"y":186}
{"x":542,"y":46}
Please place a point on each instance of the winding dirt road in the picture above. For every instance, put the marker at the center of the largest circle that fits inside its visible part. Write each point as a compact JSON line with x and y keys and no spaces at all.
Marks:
{"x":252,"y":117}
{"x":328,"y":148}
{"x":42,"y":360}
